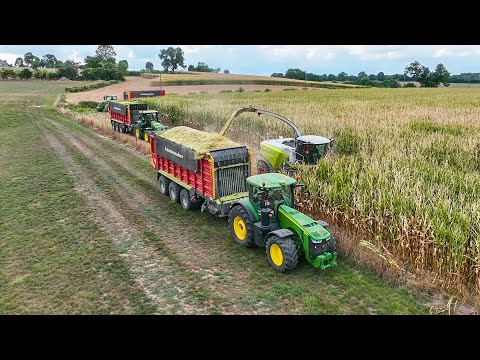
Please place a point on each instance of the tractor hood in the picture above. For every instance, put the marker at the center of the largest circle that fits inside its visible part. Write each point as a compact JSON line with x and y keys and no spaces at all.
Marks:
{"x":316,"y":231}
{"x":314,"y":139}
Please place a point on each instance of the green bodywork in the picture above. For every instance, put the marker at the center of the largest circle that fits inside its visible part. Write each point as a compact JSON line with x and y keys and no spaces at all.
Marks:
{"x":276,"y":191}
{"x":102,"y":106}
{"x":148,"y":120}
{"x":275,"y":156}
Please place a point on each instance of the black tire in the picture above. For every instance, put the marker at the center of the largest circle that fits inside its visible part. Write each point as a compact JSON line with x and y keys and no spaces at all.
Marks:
{"x":113,"y":126}
{"x":289,"y":255}
{"x":263,"y":166}
{"x":243,"y":222}
{"x":185,"y":199}
{"x":163,"y":184}
{"x":174,"y":191}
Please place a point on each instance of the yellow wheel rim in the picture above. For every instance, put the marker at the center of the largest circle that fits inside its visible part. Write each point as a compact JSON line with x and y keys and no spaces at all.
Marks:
{"x":137,"y":133}
{"x":145,"y":136}
{"x":239,"y":228}
{"x":276,"y":254}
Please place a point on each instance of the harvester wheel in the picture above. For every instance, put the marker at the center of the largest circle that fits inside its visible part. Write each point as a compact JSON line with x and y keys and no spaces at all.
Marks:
{"x":263,"y":167}
{"x":174,"y":191}
{"x":242,"y":226}
{"x":282,"y":253}
{"x":163,"y":184}
{"x":185,"y":199}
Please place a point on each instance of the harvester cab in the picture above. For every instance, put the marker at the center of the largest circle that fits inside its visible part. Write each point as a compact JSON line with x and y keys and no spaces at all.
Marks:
{"x":103,"y":105}
{"x":285,"y":153}
{"x":268,"y":219}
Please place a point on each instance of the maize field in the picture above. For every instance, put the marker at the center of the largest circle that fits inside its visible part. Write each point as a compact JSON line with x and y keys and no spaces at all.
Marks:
{"x":405,"y":174}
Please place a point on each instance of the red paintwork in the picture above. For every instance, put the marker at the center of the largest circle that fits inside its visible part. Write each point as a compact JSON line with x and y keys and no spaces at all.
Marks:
{"x":119,"y":117}
{"x":201,"y":180}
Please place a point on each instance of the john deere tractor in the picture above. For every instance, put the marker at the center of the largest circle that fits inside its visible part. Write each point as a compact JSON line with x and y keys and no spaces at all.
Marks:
{"x":147,"y":122}
{"x":102,"y":106}
{"x":285,"y":153}
{"x":268,"y":218}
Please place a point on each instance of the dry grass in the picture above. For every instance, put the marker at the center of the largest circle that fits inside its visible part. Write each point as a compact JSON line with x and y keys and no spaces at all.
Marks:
{"x":204,"y":78}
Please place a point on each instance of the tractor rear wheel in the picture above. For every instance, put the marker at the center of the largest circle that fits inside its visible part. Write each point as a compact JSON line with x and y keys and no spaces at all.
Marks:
{"x":185,"y":199}
{"x":163,"y":184}
{"x":282,"y":253}
{"x":241,"y":226}
{"x":174,"y":191}
{"x":263,"y":166}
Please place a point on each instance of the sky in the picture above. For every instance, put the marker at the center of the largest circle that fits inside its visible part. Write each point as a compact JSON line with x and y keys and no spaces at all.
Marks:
{"x":267,"y":59}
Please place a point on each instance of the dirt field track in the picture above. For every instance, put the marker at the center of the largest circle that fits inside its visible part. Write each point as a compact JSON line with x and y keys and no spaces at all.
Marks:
{"x":139,"y":83}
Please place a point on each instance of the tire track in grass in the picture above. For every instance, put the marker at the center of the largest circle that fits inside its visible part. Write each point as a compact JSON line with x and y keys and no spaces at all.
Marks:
{"x":153,"y":272}
{"x":204,"y":266}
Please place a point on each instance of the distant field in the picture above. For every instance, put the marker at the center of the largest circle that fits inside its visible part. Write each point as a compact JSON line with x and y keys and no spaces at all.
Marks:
{"x":203,"y":78}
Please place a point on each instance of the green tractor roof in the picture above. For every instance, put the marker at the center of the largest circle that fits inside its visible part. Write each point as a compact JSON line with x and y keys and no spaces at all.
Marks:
{"x":271,"y":180}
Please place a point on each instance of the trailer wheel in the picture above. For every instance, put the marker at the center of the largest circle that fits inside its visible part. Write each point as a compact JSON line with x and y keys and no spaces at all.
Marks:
{"x":163,"y":184}
{"x":241,"y":226}
{"x":263,"y":167}
{"x":185,"y":199}
{"x":174,"y":191}
{"x":282,"y":253}
{"x":113,"y":126}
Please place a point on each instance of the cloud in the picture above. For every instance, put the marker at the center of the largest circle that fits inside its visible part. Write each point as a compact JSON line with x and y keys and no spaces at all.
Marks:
{"x":130,"y":55}
{"x":10,"y":57}
{"x":75,"y":56}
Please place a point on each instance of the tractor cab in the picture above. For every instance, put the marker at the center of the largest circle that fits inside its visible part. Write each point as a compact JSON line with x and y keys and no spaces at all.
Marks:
{"x":311,"y":148}
{"x":271,"y":190}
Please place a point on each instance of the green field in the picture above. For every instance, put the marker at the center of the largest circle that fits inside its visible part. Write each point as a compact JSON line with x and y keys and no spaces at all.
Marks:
{"x":406,"y":170}
{"x":85,"y":230}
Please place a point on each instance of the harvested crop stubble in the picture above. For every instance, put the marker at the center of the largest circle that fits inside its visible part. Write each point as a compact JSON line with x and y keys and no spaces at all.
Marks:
{"x":200,"y":141}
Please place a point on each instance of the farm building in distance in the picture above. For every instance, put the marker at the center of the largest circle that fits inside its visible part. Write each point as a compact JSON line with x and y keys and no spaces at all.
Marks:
{"x":3,"y":63}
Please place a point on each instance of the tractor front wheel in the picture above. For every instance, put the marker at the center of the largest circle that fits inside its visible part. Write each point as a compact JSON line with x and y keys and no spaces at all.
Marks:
{"x":263,"y":167}
{"x":163,"y":184}
{"x":282,"y":253}
{"x":241,"y":226}
{"x":137,"y":133}
{"x":174,"y":191}
{"x":146,"y":137}
{"x":185,"y":199}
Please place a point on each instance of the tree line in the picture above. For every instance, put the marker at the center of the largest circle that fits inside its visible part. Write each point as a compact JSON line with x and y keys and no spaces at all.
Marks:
{"x":413,"y":72}
{"x":101,"y":66}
